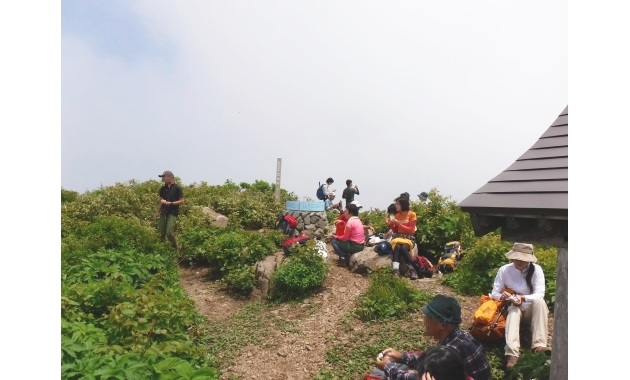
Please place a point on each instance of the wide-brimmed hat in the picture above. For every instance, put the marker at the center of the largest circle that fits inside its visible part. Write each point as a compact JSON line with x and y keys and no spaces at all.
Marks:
{"x":167,"y":173}
{"x":522,"y":252}
{"x":444,"y":308}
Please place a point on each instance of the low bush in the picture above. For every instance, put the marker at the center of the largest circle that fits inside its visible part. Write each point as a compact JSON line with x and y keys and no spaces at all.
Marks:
{"x":389,"y":297}
{"x":299,"y":275}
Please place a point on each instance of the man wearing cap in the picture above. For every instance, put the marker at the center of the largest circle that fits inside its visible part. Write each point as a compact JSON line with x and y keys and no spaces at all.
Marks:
{"x":527,"y":280}
{"x":171,"y":197}
{"x":349,"y":192}
{"x":442,"y":317}
{"x":423,"y":198}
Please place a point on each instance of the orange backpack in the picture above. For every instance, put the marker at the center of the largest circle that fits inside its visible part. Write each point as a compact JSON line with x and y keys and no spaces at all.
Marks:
{"x":489,"y":320}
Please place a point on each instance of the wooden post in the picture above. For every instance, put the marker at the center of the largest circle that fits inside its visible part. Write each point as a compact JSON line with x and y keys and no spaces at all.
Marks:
{"x":559,"y":353}
{"x":278,"y":172}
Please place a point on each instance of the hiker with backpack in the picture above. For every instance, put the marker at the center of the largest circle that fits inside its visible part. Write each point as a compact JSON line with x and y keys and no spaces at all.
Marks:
{"x":323,"y":190}
{"x":442,"y":317}
{"x":349,"y":192}
{"x":353,"y":238}
{"x":403,"y":227}
{"x":527,"y":280}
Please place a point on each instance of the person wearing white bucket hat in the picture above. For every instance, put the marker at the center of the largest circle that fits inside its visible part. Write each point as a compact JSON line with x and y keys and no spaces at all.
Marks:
{"x":527,"y":280}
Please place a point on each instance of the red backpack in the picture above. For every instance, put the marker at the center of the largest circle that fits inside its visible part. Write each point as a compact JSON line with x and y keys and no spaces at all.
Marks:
{"x":288,"y":244}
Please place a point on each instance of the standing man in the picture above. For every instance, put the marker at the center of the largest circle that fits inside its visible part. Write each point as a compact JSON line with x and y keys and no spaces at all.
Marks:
{"x":349,"y":192}
{"x":423,"y":198}
{"x":171,"y":197}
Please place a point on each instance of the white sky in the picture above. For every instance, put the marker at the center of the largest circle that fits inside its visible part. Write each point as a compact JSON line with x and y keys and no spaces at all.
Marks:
{"x":397,"y":96}
{"x":124,"y":90}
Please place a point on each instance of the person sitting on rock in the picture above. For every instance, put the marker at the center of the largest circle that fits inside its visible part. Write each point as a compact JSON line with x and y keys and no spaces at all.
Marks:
{"x":353,"y":238}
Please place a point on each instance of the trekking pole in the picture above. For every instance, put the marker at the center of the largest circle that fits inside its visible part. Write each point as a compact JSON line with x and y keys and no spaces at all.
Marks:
{"x":494,"y":323}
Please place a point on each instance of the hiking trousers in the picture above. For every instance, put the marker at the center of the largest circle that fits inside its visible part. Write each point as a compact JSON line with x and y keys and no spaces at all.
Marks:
{"x":535,"y":316}
{"x":167,"y":228}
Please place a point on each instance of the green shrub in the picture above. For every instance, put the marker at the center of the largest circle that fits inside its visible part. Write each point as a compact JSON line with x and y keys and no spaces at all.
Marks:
{"x":300,"y":275}
{"x":534,"y":366}
{"x":440,"y":222}
{"x":389,"y":297}
{"x":240,"y":279}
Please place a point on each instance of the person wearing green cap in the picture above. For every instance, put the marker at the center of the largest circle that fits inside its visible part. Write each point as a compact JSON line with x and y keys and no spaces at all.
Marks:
{"x":442,"y":317}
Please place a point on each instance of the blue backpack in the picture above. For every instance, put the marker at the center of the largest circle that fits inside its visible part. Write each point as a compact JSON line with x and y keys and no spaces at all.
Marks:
{"x":320,"y":192}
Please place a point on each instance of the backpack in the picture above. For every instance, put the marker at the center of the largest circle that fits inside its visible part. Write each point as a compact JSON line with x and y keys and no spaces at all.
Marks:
{"x":320,"y":192}
{"x":286,"y":224}
{"x":288,"y":244}
{"x":423,"y":267}
{"x":489,"y":320}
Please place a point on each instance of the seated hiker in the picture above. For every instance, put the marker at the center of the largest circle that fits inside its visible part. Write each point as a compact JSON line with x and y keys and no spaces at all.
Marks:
{"x":403,"y":241}
{"x":442,"y":317}
{"x":527,"y":279}
{"x":330,"y":206}
{"x":353,"y":238}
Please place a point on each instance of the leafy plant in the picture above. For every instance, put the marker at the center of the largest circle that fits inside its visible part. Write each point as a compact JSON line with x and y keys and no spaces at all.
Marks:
{"x":389,"y":297}
{"x":299,"y":275}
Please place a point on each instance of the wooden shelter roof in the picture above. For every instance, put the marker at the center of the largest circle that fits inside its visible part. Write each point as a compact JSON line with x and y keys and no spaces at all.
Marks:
{"x":529,"y":200}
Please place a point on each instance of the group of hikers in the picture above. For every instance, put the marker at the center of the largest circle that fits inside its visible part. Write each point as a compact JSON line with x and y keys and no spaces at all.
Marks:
{"x":457,"y":355}
{"x":349,"y":236}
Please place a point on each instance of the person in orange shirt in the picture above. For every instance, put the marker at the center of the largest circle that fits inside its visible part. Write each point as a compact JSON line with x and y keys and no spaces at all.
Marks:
{"x":403,"y":227}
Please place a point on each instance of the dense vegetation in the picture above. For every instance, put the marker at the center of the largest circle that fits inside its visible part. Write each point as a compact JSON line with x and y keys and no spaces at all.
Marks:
{"x":124,"y":314}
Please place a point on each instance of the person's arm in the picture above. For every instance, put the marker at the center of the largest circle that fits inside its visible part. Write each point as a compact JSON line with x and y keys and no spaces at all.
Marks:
{"x":356,"y":190}
{"x":538,"y":283}
{"x":407,"y":228}
{"x":499,"y":285}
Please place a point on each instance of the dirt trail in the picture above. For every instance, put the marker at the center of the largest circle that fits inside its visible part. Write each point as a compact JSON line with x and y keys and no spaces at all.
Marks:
{"x":298,"y":352}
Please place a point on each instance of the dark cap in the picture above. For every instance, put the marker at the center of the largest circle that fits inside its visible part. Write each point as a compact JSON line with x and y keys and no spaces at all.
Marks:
{"x":423,"y":194}
{"x":444,"y":308}
{"x":167,"y":173}
{"x":405,"y":194}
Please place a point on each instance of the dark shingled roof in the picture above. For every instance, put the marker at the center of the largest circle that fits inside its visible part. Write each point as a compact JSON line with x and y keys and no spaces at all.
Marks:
{"x":532,"y":195}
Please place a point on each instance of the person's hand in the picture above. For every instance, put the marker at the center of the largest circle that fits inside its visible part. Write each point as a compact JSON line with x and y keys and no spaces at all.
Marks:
{"x":382,"y":362}
{"x":395,"y":355}
{"x":164,"y":201}
{"x":427,"y":376}
{"x":157,"y":215}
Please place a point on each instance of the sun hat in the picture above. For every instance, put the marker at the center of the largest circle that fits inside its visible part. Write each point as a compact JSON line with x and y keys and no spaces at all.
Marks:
{"x":522,"y":252}
{"x":444,"y":308}
{"x":356,"y":203}
{"x":167,"y":173}
{"x":423,"y":194}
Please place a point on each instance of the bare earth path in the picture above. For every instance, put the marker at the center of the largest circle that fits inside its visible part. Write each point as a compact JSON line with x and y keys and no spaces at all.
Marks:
{"x":298,"y":352}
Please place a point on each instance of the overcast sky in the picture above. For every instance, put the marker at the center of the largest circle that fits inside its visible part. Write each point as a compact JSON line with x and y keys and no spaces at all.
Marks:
{"x":397,"y":96}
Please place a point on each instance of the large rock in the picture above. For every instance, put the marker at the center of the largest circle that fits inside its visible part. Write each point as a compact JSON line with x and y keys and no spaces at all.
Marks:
{"x":264,"y":269}
{"x":367,"y":261}
{"x":217,"y":219}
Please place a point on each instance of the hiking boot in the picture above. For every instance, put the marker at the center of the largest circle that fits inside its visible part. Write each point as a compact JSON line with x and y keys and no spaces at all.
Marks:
{"x":395,"y":273}
{"x":342,"y":262}
{"x":544,"y":349}
{"x":413,"y":275}
{"x":510,"y":362}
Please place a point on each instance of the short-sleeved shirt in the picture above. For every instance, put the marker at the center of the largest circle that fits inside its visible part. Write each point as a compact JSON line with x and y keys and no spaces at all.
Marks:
{"x":171,"y":193}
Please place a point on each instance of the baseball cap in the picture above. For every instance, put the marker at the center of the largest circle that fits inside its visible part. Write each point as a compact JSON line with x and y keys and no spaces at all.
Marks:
{"x":356,"y":203}
{"x":167,"y":173}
